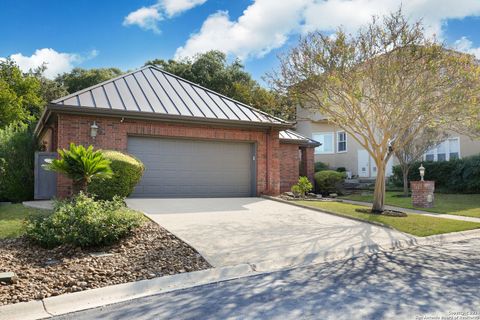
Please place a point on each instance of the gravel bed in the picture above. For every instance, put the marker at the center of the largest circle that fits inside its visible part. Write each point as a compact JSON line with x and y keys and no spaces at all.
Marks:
{"x":149,"y":252}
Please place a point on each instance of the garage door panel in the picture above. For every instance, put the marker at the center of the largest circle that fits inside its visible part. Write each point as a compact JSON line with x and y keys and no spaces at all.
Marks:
{"x":193,"y":168}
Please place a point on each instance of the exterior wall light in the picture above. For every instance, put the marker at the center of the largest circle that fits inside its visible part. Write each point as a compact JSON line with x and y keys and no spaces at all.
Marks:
{"x":422,"y":171}
{"x":93,"y":130}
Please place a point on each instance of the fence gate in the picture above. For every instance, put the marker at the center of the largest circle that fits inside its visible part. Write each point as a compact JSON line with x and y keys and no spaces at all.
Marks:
{"x":45,"y":181}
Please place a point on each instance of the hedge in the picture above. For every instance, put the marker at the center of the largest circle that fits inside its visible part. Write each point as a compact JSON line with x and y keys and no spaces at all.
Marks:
{"x":127,"y":172}
{"x":329,"y":181}
{"x":460,"y":175}
{"x":17,"y":153}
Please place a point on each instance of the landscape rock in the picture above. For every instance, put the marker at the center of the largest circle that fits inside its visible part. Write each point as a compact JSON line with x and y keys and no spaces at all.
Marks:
{"x":149,"y":252}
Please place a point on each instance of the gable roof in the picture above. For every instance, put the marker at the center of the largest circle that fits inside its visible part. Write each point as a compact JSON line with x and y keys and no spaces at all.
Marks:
{"x":153,"y":91}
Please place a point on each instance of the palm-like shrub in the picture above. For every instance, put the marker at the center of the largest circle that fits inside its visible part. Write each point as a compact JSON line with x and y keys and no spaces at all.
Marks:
{"x":81,"y":165}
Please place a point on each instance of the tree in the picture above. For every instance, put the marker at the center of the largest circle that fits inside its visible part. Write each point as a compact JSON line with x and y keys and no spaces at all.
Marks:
{"x":383,"y":85}
{"x":81,"y":165}
{"x":49,"y":89}
{"x":212,"y":71}
{"x":79,"y":78}
{"x":20,"y":98}
{"x":415,"y":149}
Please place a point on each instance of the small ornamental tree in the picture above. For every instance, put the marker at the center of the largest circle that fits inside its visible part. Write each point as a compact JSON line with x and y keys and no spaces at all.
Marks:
{"x":415,"y":149}
{"x":81,"y":165}
{"x":383,"y":85}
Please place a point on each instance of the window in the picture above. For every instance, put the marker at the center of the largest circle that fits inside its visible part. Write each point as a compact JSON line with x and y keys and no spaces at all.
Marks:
{"x":326,"y":139}
{"x":454,"y":151}
{"x":445,"y":151}
{"x":341,"y":141}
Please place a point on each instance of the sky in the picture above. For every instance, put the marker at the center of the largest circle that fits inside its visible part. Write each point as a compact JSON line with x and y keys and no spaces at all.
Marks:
{"x":127,"y":33}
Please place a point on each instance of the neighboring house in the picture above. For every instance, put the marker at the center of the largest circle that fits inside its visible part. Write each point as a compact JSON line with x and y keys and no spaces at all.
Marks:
{"x":338,"y":149}
{"x":194,"y":142}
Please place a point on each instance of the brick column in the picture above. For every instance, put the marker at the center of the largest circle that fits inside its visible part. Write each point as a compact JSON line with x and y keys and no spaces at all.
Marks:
{"x":273,"y":156}
{"x":308,"y":163}
{"x":422,"y":193}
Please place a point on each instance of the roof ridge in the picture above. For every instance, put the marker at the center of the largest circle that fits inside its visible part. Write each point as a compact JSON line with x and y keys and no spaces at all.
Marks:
{"x":219,"y":94}
{"x":76,"y":93}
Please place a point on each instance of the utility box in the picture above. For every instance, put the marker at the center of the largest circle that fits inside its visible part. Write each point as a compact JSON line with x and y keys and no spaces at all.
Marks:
{"x":422,"y":193}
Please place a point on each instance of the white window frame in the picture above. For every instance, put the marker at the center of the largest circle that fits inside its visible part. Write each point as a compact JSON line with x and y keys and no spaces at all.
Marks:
{"x":338,"y":142}
{"x":447,"y":150}
{"x":317,"y":151}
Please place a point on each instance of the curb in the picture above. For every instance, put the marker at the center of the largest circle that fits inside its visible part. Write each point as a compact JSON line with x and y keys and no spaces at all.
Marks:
{"x":378,"y":224}
{"x":71,"y":302}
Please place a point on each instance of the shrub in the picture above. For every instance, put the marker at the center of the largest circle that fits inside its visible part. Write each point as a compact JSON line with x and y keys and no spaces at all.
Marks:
{"x":329,"y":181}
{"x":17,"y":153}
{"x":341,"y":169}
{"x":296,"y":190}
{"x":81,"y":165}
{"x":460,"y":175}
{"x":127,"y":172}
{"x":320,"y":166}
{"x":302,"y":187}
{"x":84,"y":222}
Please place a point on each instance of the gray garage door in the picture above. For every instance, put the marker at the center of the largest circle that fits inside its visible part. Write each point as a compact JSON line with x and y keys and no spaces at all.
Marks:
{"x":193,"y":168}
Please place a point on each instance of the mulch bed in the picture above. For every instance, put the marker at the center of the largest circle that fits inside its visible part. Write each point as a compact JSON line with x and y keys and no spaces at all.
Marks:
{"x":149,"y":252}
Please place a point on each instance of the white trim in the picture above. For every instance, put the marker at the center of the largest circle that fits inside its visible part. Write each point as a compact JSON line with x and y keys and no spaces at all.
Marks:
{"x":338,"y":141}
{"x":447,"y":150}
{"x":333,"y":142}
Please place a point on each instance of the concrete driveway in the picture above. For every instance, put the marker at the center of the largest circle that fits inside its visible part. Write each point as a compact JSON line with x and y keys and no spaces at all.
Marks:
{"x":265,"y":233}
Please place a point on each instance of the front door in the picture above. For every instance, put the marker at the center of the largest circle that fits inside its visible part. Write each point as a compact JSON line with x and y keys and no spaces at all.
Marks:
{"x":363,"y":164}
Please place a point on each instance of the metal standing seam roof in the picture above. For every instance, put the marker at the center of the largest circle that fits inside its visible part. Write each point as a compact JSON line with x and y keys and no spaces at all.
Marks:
{"x":295,"y":137}
{"x":152,"y":90}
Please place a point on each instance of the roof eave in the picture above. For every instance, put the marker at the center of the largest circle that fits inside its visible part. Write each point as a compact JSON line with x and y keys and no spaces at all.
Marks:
{"x":301,"y":142}
{"x":156,"y":117}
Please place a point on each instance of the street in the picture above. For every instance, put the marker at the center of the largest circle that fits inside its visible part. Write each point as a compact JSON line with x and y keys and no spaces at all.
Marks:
{"x":404,"y":284}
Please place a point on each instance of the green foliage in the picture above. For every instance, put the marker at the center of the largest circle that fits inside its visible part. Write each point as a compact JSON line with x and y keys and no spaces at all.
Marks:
{"x":320,"y":166}
{"x":20,"y":97}
{"x":81,"y":165}
{"x":79,"y":78}
{"x":302,"y":187}
{"x":461,"y":175}
{"x":212,"y":71}
{"x":17,"y":151}
{"x":296,"y":190}
{"x":329,"y":181}
{"x":341,"y":169}
{"x":49,"y":89}
{"x":83,"y":222}
{"x":127,"y":172}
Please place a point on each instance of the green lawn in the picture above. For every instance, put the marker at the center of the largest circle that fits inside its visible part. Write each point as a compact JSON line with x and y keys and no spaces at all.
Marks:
{"x":12,"y":217}
{"x":415,"y":224}
{"x":458,"y":204}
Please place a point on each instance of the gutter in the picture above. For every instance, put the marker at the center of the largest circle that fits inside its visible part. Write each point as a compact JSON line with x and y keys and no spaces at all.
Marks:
{"x":141,"y":115}
{"x":301,"y":142}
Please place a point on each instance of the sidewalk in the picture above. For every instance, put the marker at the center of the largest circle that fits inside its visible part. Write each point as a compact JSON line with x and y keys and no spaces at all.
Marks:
{"x":431,"y":214}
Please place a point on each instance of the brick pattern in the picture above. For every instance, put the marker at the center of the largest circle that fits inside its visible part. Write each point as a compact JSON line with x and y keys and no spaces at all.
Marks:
{"x":422,"y":192}
{"x":307,"y":166}
{"x":113,"y":133}
{"x":289,"y":166}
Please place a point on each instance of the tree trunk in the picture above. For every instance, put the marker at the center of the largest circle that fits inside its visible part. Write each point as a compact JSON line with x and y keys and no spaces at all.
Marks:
{"x":405,"y":171}
{"x":379,"y":193}
{"x":79,"y":185}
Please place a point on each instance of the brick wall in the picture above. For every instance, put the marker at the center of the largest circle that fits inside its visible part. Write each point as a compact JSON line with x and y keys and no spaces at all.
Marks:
{"x":113,"y":134}
{"x":289,"y":166}
{"x":422,"y":193}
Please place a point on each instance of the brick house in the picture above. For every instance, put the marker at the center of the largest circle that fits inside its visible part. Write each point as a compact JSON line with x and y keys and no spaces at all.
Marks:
{"x":194,"y":142}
